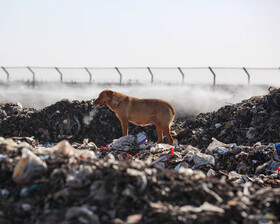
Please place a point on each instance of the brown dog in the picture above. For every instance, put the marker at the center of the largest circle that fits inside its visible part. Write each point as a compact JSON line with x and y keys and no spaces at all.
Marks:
{"x":140,"y":112}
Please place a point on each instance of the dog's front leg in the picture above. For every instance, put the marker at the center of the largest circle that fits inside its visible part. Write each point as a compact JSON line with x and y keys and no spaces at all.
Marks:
{"x":124,"y":124}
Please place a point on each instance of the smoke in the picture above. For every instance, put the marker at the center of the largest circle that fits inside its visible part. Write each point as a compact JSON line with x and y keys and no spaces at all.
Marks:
{"x":186,"y":99}
{"x":87,"y":119}
{"x":192,"y":100}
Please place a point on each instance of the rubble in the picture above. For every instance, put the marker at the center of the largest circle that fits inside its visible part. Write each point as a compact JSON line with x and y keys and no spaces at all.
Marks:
{"x":68,"y":163}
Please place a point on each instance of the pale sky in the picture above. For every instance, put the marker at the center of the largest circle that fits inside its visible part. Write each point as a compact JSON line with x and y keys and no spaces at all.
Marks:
{"x":140,"y":33}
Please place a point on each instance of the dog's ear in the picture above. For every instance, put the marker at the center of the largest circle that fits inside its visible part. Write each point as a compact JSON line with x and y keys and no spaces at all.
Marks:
{"x":110,"y":93}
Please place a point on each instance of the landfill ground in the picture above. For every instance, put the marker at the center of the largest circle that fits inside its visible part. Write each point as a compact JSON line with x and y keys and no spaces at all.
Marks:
{"x":68,"y":163}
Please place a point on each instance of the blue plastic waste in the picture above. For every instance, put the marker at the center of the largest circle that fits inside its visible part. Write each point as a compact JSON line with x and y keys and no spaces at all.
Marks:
{"x":2,"y":157}
{"x":277,"y":147}
{"x":141,"y":138}
{"x":48,"y":145}
{"x":222,"y":150}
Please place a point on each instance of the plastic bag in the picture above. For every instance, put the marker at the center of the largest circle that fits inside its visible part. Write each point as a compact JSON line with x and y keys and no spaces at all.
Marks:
{"x":124,"y":143}
{"x":28,"y":166}
{"x":183,"y":164}
{"x":222,"y":150}
{"x":214,"y":145}
{"x":199,"y":159}
{"x":203,"y":159}
{"x":63,"y":148}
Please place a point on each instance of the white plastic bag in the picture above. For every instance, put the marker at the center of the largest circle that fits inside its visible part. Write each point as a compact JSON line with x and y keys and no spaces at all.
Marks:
{"x":214,"y":145}
{"x":28,"y":166}
{"x":63,"y":148}
{"x":199,"y":159}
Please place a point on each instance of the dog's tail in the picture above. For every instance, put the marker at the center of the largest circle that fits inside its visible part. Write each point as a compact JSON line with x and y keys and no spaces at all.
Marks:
{"x":172,"y":110}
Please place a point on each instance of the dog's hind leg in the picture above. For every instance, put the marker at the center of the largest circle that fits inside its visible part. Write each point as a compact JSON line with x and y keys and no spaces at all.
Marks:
{"x":167,"y":132}
{"x":159,"y":133}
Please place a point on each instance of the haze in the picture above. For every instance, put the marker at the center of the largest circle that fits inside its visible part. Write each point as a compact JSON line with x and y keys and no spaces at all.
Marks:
{"x":140,"y":33}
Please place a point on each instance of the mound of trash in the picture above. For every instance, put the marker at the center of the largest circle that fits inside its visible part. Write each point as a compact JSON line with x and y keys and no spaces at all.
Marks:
{"x":66,"y":119}
{"x":137,"y":182}
{"x":253,"y":120}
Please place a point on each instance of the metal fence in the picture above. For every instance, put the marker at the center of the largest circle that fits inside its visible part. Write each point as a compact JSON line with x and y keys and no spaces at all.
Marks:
{"x":89,"y":70}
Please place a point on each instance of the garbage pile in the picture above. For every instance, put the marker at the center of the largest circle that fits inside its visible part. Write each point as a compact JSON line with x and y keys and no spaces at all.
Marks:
{"x":66,"y":119}
{"x":253,"y":120}
{"x":68,"y":163}
{"x":134,"y":181}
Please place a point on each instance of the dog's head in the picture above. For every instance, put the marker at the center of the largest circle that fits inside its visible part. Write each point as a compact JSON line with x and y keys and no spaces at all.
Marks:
{"x":104,"y":97}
